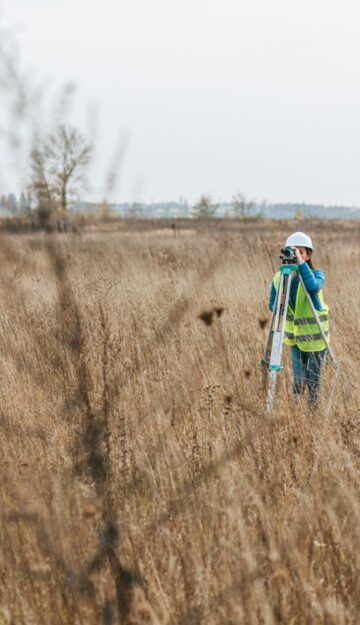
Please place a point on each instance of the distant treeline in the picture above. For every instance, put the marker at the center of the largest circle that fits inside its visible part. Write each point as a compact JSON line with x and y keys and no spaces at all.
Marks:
{"x":11,"y":206}
{"x":262,"y":210}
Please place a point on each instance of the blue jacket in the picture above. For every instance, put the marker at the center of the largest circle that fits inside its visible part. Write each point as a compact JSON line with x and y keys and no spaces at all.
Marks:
{"x":313,"y":280}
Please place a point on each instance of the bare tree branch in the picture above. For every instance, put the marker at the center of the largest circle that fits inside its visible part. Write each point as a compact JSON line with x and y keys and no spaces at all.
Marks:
{"x":58,"y":170}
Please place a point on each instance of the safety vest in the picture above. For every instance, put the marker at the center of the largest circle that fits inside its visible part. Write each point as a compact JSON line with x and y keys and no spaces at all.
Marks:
{"x":301,"y":328}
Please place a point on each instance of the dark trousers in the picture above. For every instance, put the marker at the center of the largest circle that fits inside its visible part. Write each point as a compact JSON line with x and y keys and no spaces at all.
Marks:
{"x":306,"y":370}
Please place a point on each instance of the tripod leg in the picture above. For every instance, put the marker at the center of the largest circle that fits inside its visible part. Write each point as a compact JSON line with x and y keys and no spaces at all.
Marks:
{"x":269,"y":381}
{"x":271,"y":391}
{"x":318,"y":323}
{"x":278,"y":337}
{"x":334,"y":363}
{"x":267,"y":351}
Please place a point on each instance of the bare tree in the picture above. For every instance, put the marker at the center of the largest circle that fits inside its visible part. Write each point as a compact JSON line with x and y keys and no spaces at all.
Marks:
{"x":241,"y":205}
{"x":205,"y":207}
{"x":58,"y":169}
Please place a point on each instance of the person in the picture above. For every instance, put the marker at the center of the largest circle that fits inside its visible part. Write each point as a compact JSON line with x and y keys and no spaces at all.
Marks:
{"x":307,"y":347}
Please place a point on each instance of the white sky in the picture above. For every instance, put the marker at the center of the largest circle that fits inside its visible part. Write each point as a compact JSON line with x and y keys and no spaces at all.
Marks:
{"x":216,"y":96}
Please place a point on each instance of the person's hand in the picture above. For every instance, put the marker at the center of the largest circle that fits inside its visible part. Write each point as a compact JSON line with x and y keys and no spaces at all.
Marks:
{"x":299,"y":259}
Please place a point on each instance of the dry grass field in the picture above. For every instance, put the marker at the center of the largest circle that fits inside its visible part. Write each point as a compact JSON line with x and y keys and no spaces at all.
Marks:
{"x":141,"y":481}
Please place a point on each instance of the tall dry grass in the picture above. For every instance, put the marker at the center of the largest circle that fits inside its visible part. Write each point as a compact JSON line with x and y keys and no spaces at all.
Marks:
{"x":140,"y":479}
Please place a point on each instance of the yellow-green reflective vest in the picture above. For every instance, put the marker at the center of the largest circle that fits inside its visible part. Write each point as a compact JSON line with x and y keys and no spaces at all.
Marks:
{"x":301,"y":328}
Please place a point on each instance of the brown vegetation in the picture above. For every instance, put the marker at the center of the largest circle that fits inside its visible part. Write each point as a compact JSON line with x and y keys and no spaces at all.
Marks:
{"x":140,"y":478}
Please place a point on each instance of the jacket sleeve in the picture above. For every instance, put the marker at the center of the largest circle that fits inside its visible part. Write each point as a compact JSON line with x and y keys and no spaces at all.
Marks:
{"x":272,"y":297}
{"x":313,"y":280}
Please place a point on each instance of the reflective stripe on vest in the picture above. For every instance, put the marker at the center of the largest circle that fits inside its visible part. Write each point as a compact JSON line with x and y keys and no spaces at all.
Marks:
{"x":311,"y":337}
{"x":301,"y":328}
{"x":307,"y":320}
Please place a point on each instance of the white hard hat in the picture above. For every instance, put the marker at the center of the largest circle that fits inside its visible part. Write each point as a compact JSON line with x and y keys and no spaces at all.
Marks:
{"x":299,"y":238}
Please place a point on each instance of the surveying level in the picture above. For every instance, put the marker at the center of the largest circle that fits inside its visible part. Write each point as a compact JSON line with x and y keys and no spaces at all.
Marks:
{"x":274,"y":343}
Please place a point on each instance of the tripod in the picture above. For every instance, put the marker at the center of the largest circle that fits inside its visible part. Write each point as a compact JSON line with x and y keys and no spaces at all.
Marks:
{"x":274,"y":344}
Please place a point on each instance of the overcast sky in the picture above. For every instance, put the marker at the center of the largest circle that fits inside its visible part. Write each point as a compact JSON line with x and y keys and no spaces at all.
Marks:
{"x":207,"y":95}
